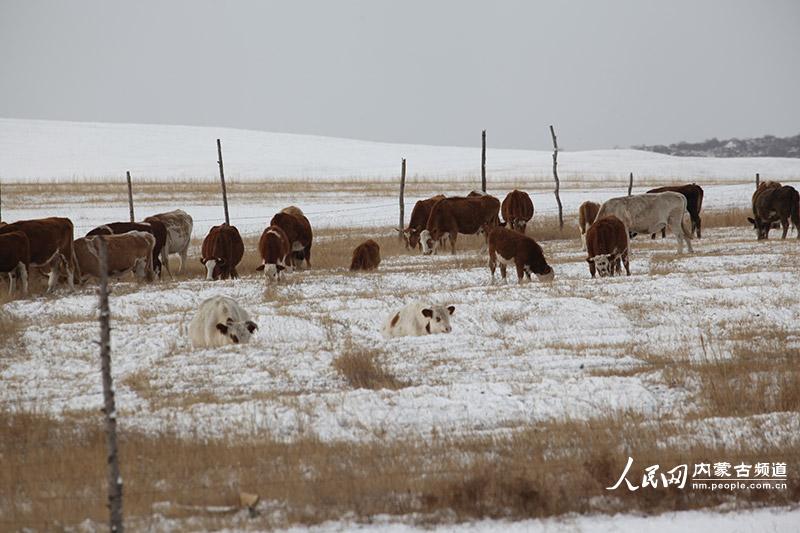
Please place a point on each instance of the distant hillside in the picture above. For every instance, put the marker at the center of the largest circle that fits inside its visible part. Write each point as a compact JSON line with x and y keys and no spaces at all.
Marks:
{"x":766,"y":146}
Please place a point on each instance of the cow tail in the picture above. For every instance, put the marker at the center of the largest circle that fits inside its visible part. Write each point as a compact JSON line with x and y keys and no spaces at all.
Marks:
{"x":687,"y":232}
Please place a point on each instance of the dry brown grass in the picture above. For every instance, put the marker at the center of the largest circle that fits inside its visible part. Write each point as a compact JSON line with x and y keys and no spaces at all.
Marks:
{"x":363,"y":368}
{"x":54,"y":473}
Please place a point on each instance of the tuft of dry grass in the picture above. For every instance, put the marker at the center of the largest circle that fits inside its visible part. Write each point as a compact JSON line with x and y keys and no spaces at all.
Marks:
{"x":362,"y":369}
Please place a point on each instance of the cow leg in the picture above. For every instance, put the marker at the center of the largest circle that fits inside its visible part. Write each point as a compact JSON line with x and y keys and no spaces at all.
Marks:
{"x":165,"y":261}
{"x":12,"y":282}
{"x":69,"y":272}
{"x":626,"y":263}
{"x":492,"y":262}
{"x":23,"y":276}
{"x":308,"y":256}
{"x":453,"y":242}
{"x":52,"y":278}
{"x":675,"y":224}
{"x":502,"y":270}
{"x":785,"y":226}
{"x":520,"y":270}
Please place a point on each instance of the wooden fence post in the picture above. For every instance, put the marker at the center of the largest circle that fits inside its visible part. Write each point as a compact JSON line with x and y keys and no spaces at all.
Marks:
{"x":1,"y":201}
{"x":222,"y":179}
{"x":109,"y":408}
{"x":758,"y":180}
{"x":630,"y":184}
{"x":483,"y":161}
{"x":130,"y":195}
{"x":555,"y":177}
{"x":401,"y":227}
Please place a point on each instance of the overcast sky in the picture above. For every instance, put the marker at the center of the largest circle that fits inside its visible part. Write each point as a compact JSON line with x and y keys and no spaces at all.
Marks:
{"x":605,"y":73}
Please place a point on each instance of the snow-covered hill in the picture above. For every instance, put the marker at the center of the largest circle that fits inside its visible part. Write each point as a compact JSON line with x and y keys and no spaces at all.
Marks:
{"x":35,"y":150}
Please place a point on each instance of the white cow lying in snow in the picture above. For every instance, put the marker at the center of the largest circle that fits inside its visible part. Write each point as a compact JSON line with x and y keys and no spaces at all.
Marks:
{"x":419,"y":318}
{"x":220,"y":321}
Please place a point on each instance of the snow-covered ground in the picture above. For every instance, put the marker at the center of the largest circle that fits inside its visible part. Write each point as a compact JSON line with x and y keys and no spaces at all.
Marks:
{"x":533,"y":352}
{"x":36,"y":150}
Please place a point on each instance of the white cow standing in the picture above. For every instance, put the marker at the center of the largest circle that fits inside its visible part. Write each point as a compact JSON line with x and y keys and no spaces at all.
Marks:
{"x":418,"y":318}
{"x":650,"y":213}
{"x":220,"y":321}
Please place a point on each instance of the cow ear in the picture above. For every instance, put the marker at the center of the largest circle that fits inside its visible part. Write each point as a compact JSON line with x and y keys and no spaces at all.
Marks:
{"x":590,"y":259}
{"x":260,"y":267}
{"x":229,"y":321}
{"x":280,"y":267}
{"x":203,"y":260}
{"x":222,"y":328}
{"x":451,"y":308}
{"x":251,"y":326}
{"x":750,"y":220}
{"x":220,"y":260}
{"x":427,"y":313}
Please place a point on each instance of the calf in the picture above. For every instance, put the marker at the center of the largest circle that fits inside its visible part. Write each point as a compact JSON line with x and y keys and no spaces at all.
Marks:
{"x":509,"y":247}
{"x":275,"y":253}
{"x":419,"y":318}
{"x":451,"y":216}
{"x":366,"y":256}
{"x":222,"y":250}
{"x":15,"y":259}
{"x":517,"y":210}
{"x":50,"y":242}
{"x":650,"y":213}
{"x":220,"y":321}
{"x":178,"y":225}
{"x":587,"y":213}
{"x":419,"y":219}
{"x":298,"y":229}
{"x":773,"y":202}
{"x":694,"y":204}
{"x":127,"y":252}
{"x":607,"y":243}
{"x":155,"y":227}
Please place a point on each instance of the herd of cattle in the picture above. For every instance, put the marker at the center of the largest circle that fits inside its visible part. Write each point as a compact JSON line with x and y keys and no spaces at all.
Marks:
{"x":48,"y":244}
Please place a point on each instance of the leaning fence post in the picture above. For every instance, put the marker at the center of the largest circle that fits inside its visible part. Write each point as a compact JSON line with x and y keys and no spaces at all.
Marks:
{"x":630,"y":184}
{"x":758,"y":180}
{"x":402,"y":225}
{"x":109,"y":408}
{"x":555,"y":177}
{"x":130,"y":194}
{"x":483,"y":161}
{"x":222,"y":179}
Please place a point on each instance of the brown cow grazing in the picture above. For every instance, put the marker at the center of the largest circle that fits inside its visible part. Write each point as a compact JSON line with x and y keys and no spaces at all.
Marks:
{"x":587,"y":212}
{"x":694,"y":204}
{"x":509,"y":247}
{"x":517,"y":210}
{"x":275,"y":253}
{"x":222,"y":250}
{"x":419,"y":218}
{"x":366,"y":256}
{"x":774,"y":202}
{"x":50,"y":246}
{"x":127,"y":252}
{"x":451,"y":216}
{"x":15,"y":259}
{"x":606,"y":243}
{"x":298,"y":230}
{"x":154,"y":227}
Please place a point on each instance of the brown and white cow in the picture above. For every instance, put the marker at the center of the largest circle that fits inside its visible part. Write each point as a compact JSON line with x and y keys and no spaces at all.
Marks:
{"x":694,"y":204}
{"x":587,"y":212}
{"x":155,"y":227}
{"x":50,"y":246}
{"x":178,"y":225}
{"x":127,"y":252}
{"x":275,"y":253}
{"x":606,"y":244}
{"x":507,"y":247}
{"x":221,"y":252}
{"x":366,"y":256}
{"x":517,"y":210}
{"x":451,"y":216}
{"x":419,"y":219}
{"x":773,"y":202}
{"x":298,"y":229}
{"x":15,"y":259}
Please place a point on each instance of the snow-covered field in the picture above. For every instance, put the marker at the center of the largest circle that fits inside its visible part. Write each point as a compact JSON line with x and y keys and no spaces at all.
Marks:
{"x":533,"y":352}
{"x":35,"y":150}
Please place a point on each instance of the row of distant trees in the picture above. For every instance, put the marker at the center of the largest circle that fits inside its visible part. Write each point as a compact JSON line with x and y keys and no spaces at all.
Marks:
{"x":766,"y":146}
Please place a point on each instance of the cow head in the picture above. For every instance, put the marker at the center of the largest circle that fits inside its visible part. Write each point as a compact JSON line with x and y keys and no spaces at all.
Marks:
{"x":548,"y":276}
{"x":429,"y":242}
{"x":762,"y":228}
{"x":437,"y":318}
{"x":604,"y":264}
{"x":239,"y":332}
{"x":214,"y":267}
{"x":412,"y":237}
{"x":272,"y":271}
